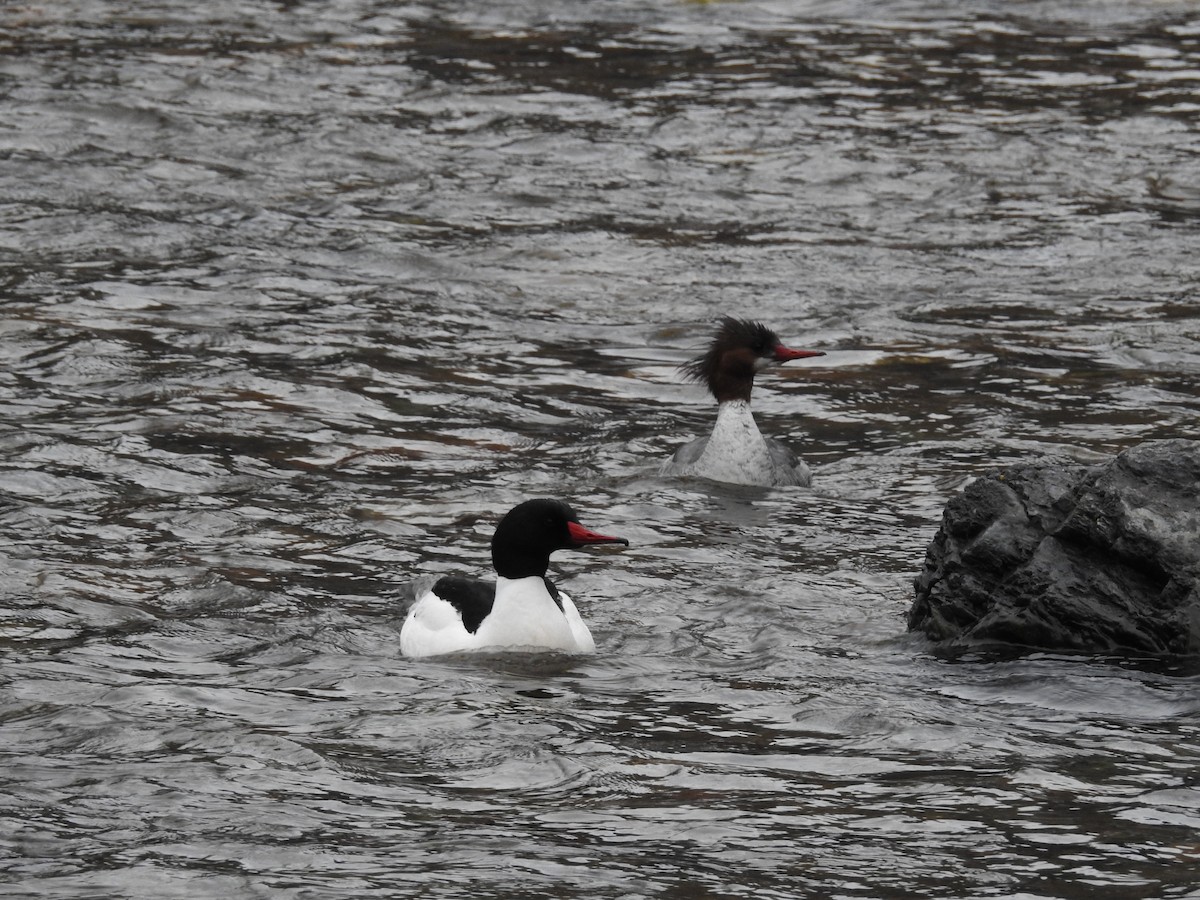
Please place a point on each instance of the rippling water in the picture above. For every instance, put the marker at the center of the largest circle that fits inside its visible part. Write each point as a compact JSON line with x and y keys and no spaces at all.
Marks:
{"x":298,"y":298}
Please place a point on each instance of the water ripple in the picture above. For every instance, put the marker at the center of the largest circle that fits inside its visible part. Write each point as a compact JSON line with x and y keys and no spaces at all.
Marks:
{"x":298,"y":300}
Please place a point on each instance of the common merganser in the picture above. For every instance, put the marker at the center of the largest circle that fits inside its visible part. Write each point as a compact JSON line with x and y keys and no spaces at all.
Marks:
{"x":522,"y":610}
{"x":736,"y":451}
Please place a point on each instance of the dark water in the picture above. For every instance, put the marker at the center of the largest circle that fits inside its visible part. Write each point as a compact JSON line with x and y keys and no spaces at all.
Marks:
{"x":298,"y":298}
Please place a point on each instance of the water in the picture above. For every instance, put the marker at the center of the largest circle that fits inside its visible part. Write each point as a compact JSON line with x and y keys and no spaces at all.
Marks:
{"x":298,"y":298}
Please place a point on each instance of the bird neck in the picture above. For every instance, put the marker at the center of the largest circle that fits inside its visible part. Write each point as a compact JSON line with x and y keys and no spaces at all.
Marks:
{"x":732,"y":378}
{"x":512,"y":559}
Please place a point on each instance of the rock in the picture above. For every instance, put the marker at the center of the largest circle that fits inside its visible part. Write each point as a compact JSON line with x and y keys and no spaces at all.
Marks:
{"x":1102,"y":559}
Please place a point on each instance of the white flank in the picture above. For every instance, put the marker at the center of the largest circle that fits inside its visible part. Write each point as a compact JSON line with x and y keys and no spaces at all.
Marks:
{"x":524,"y":617}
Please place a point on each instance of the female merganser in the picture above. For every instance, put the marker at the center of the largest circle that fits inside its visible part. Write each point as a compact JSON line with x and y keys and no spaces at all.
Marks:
{"x":736,"y":451}
{"x":522,"y":610}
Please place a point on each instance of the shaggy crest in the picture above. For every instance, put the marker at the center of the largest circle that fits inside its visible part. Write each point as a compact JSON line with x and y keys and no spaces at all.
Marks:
{"x":733,"y":333}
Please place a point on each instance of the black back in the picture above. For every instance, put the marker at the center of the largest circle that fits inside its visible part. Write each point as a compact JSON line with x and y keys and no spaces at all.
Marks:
{"x":473,"y":597}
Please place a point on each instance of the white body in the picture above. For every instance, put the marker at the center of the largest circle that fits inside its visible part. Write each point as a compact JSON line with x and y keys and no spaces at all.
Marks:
{"x":524,"y":617}
{"x":736,"y":452}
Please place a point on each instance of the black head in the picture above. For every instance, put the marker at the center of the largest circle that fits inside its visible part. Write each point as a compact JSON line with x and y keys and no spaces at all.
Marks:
{"x":532,"y":530}
{"x":739,"y":349}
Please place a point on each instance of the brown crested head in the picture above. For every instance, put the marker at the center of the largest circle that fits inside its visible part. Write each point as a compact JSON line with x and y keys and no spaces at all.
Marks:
{"x":739,"y":349}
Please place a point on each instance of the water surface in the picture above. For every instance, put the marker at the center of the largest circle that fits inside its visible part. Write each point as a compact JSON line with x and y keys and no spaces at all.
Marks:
{"x":299,"y":298}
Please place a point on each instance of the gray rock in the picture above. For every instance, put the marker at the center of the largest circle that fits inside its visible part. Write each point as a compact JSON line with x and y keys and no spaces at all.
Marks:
{"x":1103,"y":559}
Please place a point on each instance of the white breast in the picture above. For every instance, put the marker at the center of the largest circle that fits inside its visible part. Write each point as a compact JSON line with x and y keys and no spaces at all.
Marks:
{"x":737,"y":453}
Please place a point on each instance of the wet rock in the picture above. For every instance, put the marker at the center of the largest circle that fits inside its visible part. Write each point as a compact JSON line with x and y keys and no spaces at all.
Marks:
{"x":1070,"y":557}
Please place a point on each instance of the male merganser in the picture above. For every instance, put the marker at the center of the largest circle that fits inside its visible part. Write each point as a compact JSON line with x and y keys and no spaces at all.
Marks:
{"x":522,"y":610}
{"x":736,"y":451}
